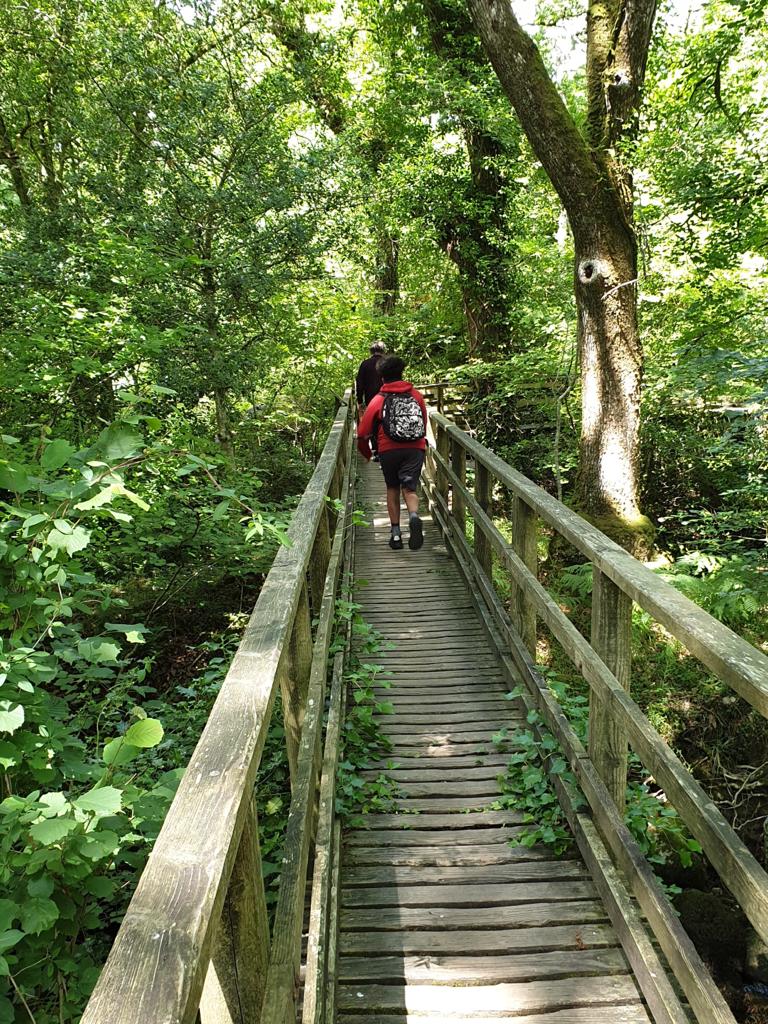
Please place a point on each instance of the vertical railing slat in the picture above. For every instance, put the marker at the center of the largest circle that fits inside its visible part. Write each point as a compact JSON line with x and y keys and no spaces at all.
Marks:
{"x":524,"y":543}
{"x":611,"y":639}
{"x":295,"y":665}
{"x":459,"y":466}
{"x":236,"y":980}
{"x":483,"y":487}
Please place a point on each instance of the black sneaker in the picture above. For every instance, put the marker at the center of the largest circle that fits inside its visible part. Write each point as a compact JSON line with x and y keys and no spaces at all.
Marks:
{"x":416,"y":538}
{"x":396,"y":542}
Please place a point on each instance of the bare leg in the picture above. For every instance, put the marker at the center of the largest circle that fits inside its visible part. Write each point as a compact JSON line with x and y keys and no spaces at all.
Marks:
{"x":393,"y":505}
{"x":411,"y":501}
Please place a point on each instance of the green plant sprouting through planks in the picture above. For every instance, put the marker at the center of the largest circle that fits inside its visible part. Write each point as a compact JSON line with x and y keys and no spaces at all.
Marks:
{"x":527,"y":787}
{"x":363,"y":742}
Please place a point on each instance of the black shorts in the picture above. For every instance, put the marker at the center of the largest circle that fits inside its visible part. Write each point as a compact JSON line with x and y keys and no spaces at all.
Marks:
{"x":402,"y":467}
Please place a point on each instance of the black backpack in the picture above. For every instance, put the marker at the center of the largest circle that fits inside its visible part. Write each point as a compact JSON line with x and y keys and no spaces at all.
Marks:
{"x":401,"y":417}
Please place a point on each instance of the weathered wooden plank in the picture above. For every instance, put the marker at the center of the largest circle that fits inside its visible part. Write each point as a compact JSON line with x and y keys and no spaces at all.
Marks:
{"x":525,"y":544}
{"x":332,"y":959}
{"x":447,"y":919}
{"x":448,"y":854}
{"x":488,"y":701}
{"x":611,"y":640}
{"x":293,"y":675}
{"x":459,"y":467}
{"x":285,"y":955}
{"x":234,"y":985}
{"x":393,"y":841}
{"x":633,"y":1013}
{"x":157,"y":965}
{"x":437,"y":969}
{"x":463,"y":773}
{"x":483,"y":495}
{"x":488,"y":819}
{"x":436,"y":750}
{"x":730,"y":857}
{"x":695,"y":979}
{"x":482,"y":875}
{"x":503,"y":894}
{"x":496,"y":940}
{"x":477,"y":1000}
{"x":440,"y":719}
{"x":320,"y":909}
{"x":486,"y":788}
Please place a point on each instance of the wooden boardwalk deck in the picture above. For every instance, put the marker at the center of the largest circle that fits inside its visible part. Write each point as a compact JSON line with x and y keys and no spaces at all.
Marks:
{"x":440,"y":918}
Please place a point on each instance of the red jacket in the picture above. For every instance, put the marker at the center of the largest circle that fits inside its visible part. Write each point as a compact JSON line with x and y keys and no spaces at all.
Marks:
{"x":372,"y":421}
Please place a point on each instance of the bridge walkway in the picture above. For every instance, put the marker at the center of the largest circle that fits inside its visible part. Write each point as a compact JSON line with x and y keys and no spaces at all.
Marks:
{"x":439,"y":914}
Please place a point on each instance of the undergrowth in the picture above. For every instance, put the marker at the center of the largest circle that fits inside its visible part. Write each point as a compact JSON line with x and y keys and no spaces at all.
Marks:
{"x":527,"y":787}
{"x":363,"y":743}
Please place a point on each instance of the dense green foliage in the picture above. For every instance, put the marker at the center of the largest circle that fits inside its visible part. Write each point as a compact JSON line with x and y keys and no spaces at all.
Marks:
{"x":208,"y":212}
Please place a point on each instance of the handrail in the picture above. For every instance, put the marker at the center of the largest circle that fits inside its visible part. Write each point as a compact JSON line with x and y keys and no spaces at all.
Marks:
{"x":171,"y":949}
{"x":614,"y":718}
{"x":722,"y":651}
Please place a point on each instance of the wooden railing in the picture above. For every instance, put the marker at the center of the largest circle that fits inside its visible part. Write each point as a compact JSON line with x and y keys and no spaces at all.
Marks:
{"x":195,"y":938}
{"x":615,"y":721}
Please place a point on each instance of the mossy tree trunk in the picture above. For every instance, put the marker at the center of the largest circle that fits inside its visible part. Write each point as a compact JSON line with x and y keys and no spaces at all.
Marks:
{"x":595,"y":187}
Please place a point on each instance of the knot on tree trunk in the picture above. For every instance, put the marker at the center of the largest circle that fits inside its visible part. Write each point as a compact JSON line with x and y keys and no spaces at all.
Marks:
{"x":619,"y":79}
{"x":592,"y":271}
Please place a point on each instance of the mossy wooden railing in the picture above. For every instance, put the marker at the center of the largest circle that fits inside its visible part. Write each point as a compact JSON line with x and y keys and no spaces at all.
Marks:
{"x":615,"y":720}
{"x":195,"y":939}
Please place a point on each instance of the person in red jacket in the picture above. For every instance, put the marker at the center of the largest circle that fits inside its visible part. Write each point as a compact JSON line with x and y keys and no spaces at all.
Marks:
{"x":399,"y":424}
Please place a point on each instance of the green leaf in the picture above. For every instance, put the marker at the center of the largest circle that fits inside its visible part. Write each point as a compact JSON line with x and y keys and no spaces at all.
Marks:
{"x":10,"y":938}
{"x":9,"y":912}
{"x":69,"y":542}
{"x":99,"y":885}
{"x":103,"y":497}
{"x":119,"y":442}
{"x":40,"y":886}
{"x":7,"y":1012}
{"x":13,"y":478}
{"x":119,"y":752}
{"x":98,"y":651}
{"x":38,"y":914}
{"x":134,"y":631}
{"x":98,"y":845}
{"x":10,"y":719}
{"x":57,"y":454}
{"x":103,"y":801}
{"x":146,"y":733}
{"x":52,"y":830}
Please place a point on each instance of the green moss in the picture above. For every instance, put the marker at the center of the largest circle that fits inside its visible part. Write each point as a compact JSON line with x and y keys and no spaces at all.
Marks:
{"x":635,"y":535}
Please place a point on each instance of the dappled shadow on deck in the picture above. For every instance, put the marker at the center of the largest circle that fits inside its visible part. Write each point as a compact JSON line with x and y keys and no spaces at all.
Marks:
{"x":440,"y":917}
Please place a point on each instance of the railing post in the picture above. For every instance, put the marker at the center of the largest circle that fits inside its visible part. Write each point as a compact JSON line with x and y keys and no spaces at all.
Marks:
{"x":237,"y":974}
{"x":294,"y":670}
{"x":611,"y":640}
{"x":524,"y":542}
{"x":318,"y":563}
{"x":439,"y":390}
{"x":441,"y":478}
{"x":483,"y":551}
{"x":459,"y":466}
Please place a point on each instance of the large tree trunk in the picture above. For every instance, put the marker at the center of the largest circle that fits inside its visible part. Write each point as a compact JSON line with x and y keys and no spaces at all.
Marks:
{"x":387,"y":280}
{"x":596,"y":191}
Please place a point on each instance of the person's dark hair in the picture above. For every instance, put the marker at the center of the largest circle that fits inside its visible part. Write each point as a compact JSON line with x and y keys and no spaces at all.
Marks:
{"x":378,"y":348}
{"x":391,"y":369}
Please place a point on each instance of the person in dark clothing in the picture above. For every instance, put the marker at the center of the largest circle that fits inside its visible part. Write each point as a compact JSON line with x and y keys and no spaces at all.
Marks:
{"x":401,"y":461}
{"x":369,"y":381}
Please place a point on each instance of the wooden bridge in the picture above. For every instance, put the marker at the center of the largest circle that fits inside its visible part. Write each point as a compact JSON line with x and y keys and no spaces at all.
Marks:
{"x":428,"y":914}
